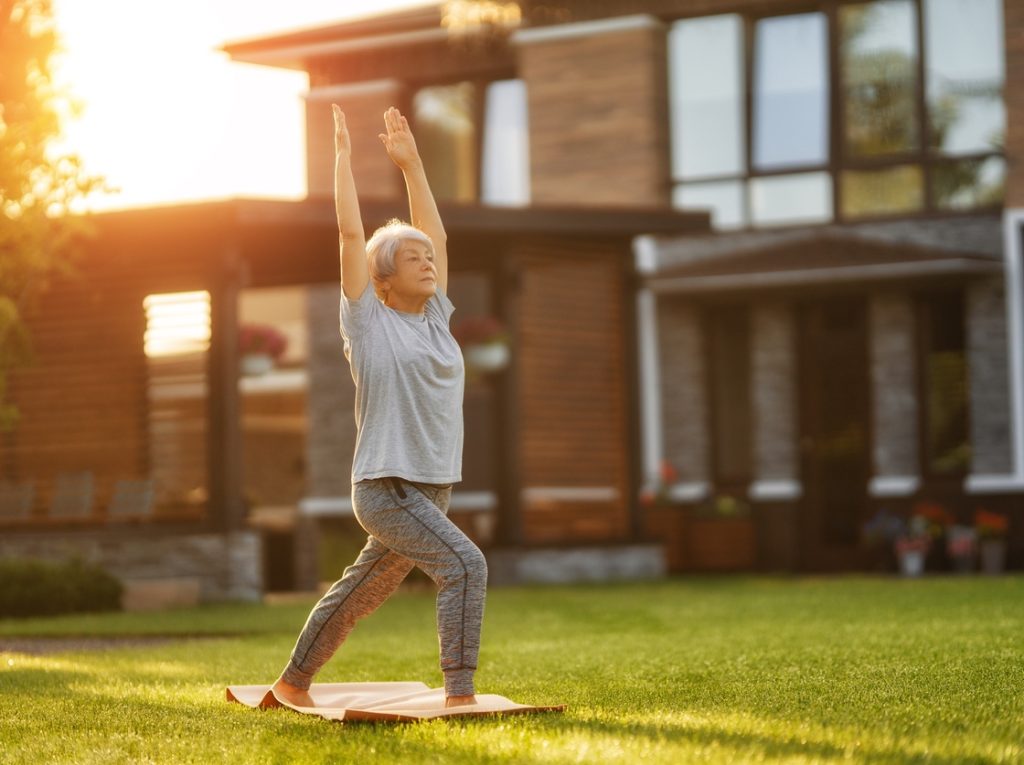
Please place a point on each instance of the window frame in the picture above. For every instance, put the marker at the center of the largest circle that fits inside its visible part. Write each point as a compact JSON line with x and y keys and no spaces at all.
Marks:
{"x":479,"y":82}
{"x":924,"y":157}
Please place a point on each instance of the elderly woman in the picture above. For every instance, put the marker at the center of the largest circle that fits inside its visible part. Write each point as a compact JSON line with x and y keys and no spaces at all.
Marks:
{"x":409,"y":379}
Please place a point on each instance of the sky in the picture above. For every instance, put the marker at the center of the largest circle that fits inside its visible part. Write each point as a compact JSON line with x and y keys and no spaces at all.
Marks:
{"x":166,"y":117}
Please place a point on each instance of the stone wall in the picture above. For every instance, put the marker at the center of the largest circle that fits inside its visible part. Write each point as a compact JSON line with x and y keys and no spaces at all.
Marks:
{"x":773,"y":388}
{"x":893,"y":374}
{"x":228,"y":566}
{"x":330,"y":442}
{"x":989,"y":383}
{"x":682,"y":389}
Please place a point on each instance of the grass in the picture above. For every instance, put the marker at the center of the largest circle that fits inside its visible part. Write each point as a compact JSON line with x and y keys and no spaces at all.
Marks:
{"x":716,"y":669}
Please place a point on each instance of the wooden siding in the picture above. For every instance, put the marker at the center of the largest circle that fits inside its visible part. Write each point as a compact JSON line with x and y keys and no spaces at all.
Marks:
{"x":598,"y":110}
{"x":92,"y":400}
{"x":572,"y":393}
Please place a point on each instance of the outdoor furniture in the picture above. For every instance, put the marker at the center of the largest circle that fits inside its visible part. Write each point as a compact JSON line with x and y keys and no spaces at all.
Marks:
{"x":133,"y":499}
{"x":16,"y":500}
{"x":72,"y":496}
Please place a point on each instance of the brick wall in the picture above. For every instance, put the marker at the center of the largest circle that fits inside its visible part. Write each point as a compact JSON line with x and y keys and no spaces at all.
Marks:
{"x":598,"y":114}
{"x":1013,"y":19}
{"x":893,"y":384}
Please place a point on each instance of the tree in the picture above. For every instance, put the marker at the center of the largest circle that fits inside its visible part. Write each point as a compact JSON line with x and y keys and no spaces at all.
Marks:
{"x":39,"y":237}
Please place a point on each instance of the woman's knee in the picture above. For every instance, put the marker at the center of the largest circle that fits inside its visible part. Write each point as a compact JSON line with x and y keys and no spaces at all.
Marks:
{"x":467,"y":564}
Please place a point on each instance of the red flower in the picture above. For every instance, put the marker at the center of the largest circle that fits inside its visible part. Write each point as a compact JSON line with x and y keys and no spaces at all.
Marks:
{"x":989,"y":524}
{"x":261,"y":338}
{"x":477,"y":330}
{"x":668,"y":473}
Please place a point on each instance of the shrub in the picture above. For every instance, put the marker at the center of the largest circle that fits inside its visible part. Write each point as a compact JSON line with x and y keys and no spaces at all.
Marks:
{"x":39,"y":588}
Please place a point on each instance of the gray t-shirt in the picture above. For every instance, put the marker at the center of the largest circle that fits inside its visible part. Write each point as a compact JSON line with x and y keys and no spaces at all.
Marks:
{"x":410,"y":378}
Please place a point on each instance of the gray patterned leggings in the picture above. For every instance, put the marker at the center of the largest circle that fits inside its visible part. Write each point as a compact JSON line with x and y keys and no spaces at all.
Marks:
{"x":408,"y":526}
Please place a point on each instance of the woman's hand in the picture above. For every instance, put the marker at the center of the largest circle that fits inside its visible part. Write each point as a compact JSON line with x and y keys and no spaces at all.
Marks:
{"x":342,"y":143}
{"x":400,"y":144}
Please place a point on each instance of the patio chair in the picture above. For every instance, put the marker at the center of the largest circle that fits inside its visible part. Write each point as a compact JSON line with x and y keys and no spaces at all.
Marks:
{"x":133,"y":498}
{"x":16,"y":500}
{"x":72,"y":496}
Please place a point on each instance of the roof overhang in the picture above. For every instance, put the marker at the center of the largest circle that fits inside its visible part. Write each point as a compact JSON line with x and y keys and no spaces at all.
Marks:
{"x":816,"y":258}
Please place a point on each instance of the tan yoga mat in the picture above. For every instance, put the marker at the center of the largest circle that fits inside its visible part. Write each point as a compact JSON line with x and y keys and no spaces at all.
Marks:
{"x":381,"y":702}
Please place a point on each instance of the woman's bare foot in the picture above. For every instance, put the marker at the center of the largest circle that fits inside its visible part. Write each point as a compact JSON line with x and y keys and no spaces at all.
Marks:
{"x":294,"y":696}
{"x":458,"y":701}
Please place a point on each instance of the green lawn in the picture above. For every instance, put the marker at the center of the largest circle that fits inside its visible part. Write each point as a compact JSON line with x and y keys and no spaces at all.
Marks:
{"x":718,"y":669}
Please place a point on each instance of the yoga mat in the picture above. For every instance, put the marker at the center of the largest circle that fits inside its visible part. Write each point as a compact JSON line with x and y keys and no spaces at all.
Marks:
{"x":381,"y":702}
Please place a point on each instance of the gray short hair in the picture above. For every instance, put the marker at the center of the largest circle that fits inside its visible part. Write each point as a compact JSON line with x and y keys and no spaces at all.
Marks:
{"x":385,"y":243}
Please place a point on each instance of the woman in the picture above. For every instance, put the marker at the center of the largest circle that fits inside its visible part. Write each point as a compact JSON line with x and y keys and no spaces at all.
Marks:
{"x":409,"y":377}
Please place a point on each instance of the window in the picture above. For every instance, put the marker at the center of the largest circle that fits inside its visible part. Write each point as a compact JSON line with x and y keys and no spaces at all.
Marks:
{"x":791,"y":91}
{"x":943,"y":368}
{"x":464,"y":162}
{"x":506,"y":150}
{"x":910,"y":119}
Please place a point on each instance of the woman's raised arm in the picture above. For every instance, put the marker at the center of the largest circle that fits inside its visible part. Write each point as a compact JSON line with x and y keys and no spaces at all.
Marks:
{"x":355,"y":272}
{"x":401,"y":147}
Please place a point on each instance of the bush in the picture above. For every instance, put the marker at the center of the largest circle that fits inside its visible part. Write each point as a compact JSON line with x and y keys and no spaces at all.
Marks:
{"x":38,"y":588}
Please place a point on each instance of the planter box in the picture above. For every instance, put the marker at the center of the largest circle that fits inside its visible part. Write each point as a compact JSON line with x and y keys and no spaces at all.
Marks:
{"x":720,"y":544}
{"x":666,"y":524}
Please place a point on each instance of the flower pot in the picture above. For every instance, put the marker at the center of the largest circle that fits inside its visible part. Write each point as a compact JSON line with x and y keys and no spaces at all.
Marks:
{"x":912,"y":562}
{"x":254,"y":364}
{"x":993,"y":556}
{"x":487,"y":357}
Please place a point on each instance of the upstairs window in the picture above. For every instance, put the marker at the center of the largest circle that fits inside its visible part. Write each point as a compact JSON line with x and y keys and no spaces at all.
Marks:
{"x":473,"y":138}
{"x":765,"y":130}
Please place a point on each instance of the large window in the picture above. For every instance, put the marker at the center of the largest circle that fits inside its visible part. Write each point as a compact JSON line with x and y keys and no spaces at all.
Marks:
{"x":904,"y":115}
{"x":464,"y":162}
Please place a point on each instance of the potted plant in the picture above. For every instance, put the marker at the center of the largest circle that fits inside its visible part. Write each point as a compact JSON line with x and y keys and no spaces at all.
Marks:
{"x":936,"y":520}
{"x":879,"y":536}
{"x":484,"y":341}
{"x":912,"y":545}
{"x":962,"y":546}
{"x":259,"y":347}
{"x":991,"y":529}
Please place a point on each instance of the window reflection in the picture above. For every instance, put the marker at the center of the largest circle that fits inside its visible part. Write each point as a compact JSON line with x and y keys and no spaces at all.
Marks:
{"x":880,"y":192}
{"x":798,"y":198}
{"x":506,"y":157}
{"x":878,"y":54}
{"x":969,"y":183}
{"x":791,"y":91}
{"x":446,"y":139}
{"x":724,"y":199}
{"x":706,"y":97}
{"x":964,"y":55}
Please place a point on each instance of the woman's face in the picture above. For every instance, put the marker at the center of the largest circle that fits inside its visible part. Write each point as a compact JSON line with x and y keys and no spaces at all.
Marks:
{"x":416,"y":273}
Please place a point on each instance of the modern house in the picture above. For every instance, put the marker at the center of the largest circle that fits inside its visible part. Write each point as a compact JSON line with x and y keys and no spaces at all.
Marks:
{"x":770,"y":251}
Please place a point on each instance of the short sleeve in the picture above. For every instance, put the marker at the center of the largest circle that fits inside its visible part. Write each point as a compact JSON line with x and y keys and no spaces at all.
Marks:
{"x":355,"y":312}
{"x":440,"y":306}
